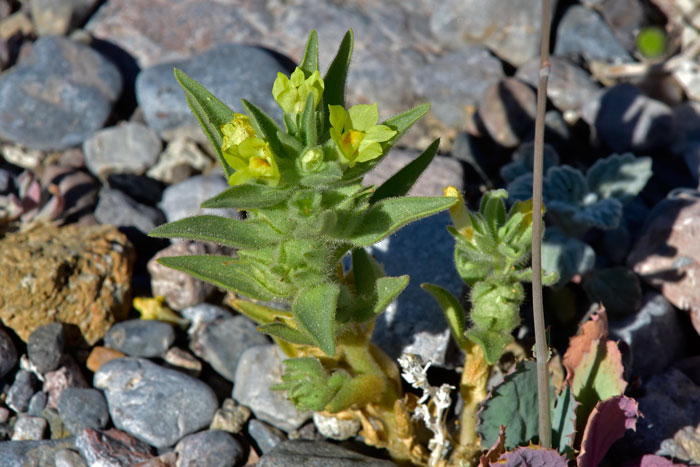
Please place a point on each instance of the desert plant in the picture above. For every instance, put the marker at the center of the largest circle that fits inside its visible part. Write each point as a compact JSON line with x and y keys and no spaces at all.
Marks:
{"x":306,"y":207}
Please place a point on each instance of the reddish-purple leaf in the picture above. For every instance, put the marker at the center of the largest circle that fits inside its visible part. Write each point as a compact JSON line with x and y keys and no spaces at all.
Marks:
{"x":532,"y":456}
{"x":608,"y":422}
{"x":496,"y":450}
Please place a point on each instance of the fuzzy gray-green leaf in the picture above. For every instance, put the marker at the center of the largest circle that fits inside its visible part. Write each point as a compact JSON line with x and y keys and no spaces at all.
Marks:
{"x":388,"y":289}
{"x":210,"y":112}
{"x":247,"y":197}
{"x":619,"y":176}
{"x":314,"y":309}
{"x":220,"y":230}
{"x":286,"y":333}
{"x":309,"y":63}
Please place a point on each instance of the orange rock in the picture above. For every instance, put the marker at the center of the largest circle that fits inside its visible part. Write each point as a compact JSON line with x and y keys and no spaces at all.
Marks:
{"x":101,"y":355}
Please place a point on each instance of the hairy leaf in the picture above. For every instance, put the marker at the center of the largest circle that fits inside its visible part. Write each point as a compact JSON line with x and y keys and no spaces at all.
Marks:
{"x":314,"y":309}
{"x":210,"y":112}
{"x":335,"y":79}
{"x":248,"y":197}
{"x":309,"y":385}
{"x":287,"y":333}
{"x":454,"y":312}
{"x":532,"y":456}
{"x":261,"y":314}
{"x":221,"y":230}
{"x":523,"y":162}
{"x":309,"y":63}
{"x":358,"y":391}
{"x":619,"y":176}
{"x":387,"y":290}
{"x":565,"y":256}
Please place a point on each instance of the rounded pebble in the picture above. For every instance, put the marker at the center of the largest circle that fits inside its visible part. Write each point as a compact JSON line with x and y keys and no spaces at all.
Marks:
{"x":209,"y":448}
{"x":81,"y":408}
{"x":45,"y":347}
{"x":141,"y":338}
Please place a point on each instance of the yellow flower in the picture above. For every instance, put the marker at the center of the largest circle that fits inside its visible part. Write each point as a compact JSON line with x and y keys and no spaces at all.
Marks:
{"x":248,"y":155}
{"x":291,"y":93}
{"x":459,"y":214}
{"x":357,"y":134}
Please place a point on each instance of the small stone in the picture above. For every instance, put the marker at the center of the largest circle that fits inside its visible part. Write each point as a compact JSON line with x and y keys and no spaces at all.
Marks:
{"x":21,"y":391}
{"x":141,"y":338}
{"x":4,"y":414}
{"x":31,"y":453}
{"x":221,"y":343}
{"x":37,"y":404}
{"x":74,"y":87}
{"x":29,"y":428}
{"x":583,"y":32}
{"x":210,"y":448}
{"x":18,"y":23}
{"x":68,"y":375}
{"x":164,"y":105}
{"x":625,"y":18}
{"x":8,"y":354}
{"x":100,"y":355}
{"x":45,"y":347}
{"x":69,"y":458}
{"x":56,"y":426}
{"x":29,"y":159}
{"x":626,"y":120}
{"x":182,"y":360}
{"x":59,"y":17}
{"x":183,"y":199}
{"x":305,"y":452}
{"x":157,"y":405}
{"x":441,"y":172}
{"x":180,"y":160}
{"x":259,"y":368}
{"x":82,"y":408}
{"x":568,"y":86}
{"x":336,"y":428}
{"x":128,"y":148}
{"x":179,"y":289}
{"x":140,"y":188}
{"x":74,"y":275}
{"x":230,"y":417}
{"x":266,"y":437}
{"x":203,"y":313}
{"x":507,"y":110}
{"x":111,"y":448}
{"x":169,"y":459}
{"x":117,"y":208}
{"x":456,"y":81}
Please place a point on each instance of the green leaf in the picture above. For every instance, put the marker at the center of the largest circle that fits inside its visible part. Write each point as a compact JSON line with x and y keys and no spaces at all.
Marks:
{"x":364,"y":272}
{"x":220,"y":230}
{"x":261,"y":314}
{"x":210,"y":112}
{"x":513,"y":403}
{"x":388,"y":289}
{"x":336,"y":76}
{"x":388,"y":215}
{"x":402,"y":122}
{"x":617,"y":288}
{"x":454,"y":312}
{"x":358,"y":391}
{"x":308,"y":122}
{"x":309,"y":385}
{"x":309,"y":63}
{"x":565,"y":256}
{"x":401,"y":182}
{"x":265,"y":126}
{"x":564,"y":422}
{"x":248,"y":196}
{"x":619,"y":176}
{"x":493,"y":343}
{"x":314,"y":309}
{"x":287,"y":333}
{"x":225,"y":272}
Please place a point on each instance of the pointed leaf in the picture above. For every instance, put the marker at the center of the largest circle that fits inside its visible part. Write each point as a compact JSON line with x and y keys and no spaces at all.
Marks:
{"x":401,"y":182}
{"x":223,"y":271}
{"x":265,"y":126}
{"x":619,"y":176}
{"x":363,"y":271}
{"x":248,"y":197}
{"x":402,"y":122}
{"x":308,"y":122}
{"x":287,"y":333}
{"x":607,"y":423}
{"x":309,"y":385}
{"x":454,"y":312}
{"x":564,"y":422}
{"x":358,"y":391}
{"x":314,"y":309}
{"x":210,"y":112}
{"x":309,"y":63}
{"x":388,"y":289}
{"x":220,"y":230}
{"x":261,"y":314}
{"x":336,"y":76}
{"x":388,"y":215}
{"x":493,"y":343}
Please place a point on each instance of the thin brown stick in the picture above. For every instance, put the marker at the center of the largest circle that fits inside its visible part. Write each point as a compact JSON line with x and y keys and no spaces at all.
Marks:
{"x":545,"y":425}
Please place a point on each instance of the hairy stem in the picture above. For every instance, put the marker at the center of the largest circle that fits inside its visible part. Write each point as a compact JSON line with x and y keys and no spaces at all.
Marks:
{"x":472,"y":388}
{"x":545,"y":427}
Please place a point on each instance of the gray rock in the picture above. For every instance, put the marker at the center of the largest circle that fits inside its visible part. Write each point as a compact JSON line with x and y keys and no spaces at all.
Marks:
{"x":59,"y":17}
{"x":156,"y":405}
{"x":456,"y":81}
{"x":210,"y":448}
{"x":222,"y":342}
{"x":336,"y":428}
{"x":8,"y":354}
{"x":81,"y":408}
{"x":28,"y":428}
{"x":414,"y":323}
{"x":141,"y":338}
{"x":315,"y":454}
{"x":183,"y":199}
{"x":21,"y":391}
{"x":626,"y":120}
{"x":230,"y":417}
{"x":509,"y":28}
{"x":71,"y":85}
{"x":507,"y":110}
{"x":128,"y":148}
{"x":117,"y":208}
{"x":266,"y":437}
{"x":625,"y":18}
{"x":259,"y":368}
{"x":181,"y":158}
{"x":69,"y":375}
{"x":163,"y":101}
{"x":45,"y":347}
{"x":583,"y":32}
{"x":647,"y":335}
{"x":69,"y":458}
{"x":203,"y":313}
{"x":4,"y":414}
{"x":37,"y":404}
{"x":20,"y":453}
{"x":568,"y":87}
{"x":111,"y":448}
